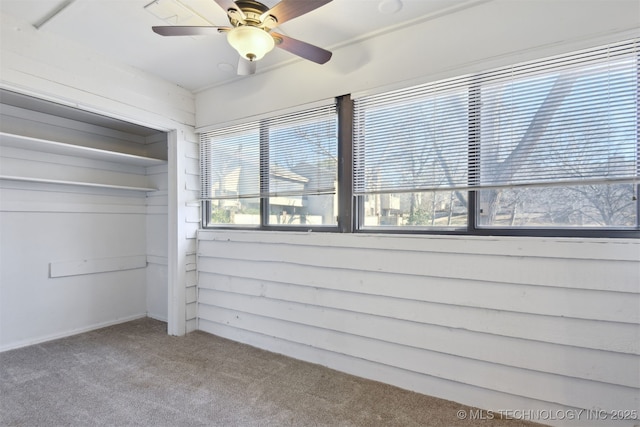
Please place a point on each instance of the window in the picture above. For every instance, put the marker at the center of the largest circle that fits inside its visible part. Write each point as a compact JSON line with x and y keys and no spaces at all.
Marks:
{"x":548,"y":148}
{"x":559,"y":142}
{"x":410,"y":157}
{"x":548,"y":145}
{"x":276,"y":172}
{"x":230,"y":175}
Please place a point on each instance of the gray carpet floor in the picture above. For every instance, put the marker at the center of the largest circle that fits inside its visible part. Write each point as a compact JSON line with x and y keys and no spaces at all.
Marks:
{"x":134,"y":374}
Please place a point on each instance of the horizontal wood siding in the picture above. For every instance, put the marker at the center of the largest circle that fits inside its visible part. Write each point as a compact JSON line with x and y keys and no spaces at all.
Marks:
{"x":191,"y":205}
{"x":535,"y":322}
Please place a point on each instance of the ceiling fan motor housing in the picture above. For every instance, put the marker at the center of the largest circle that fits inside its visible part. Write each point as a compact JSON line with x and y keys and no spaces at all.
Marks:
{"x":253,"y":12}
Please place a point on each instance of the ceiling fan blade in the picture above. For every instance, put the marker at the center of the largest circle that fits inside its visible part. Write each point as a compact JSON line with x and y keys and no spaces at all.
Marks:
{"x":245,"y":67}
{"x":177,"y":30}
{"x":289,"y":9}
{"x":302,"y":49}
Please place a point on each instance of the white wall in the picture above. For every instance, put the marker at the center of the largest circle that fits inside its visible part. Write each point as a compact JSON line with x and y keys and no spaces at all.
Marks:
{"x":500,"y":323}
{"x":496,"y":322}
{"x":40,"y":227}
{"x":493,"y":33}
{"x":184,"y":225}
{"x":35,"y":63}
{"x":157,"y":244}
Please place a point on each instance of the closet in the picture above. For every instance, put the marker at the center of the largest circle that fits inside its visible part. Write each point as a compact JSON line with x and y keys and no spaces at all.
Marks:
{"x":83,"y":220}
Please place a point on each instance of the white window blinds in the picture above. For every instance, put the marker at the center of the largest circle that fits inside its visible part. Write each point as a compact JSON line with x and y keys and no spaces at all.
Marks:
{"x":230,"y":163}
{"x":572,"y":119}
{"x":300,"y":153}
{"x":413,"y":139}
{"x":292,"y":154}
{"x":566,"y":120}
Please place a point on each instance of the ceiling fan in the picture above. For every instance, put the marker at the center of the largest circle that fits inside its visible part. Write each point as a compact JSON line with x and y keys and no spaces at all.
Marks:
{"x":251,"y":30}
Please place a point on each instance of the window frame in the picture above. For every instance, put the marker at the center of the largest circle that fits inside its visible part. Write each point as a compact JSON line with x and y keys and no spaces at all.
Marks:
{"x":264,"y":206}
{"x":472,"y":227}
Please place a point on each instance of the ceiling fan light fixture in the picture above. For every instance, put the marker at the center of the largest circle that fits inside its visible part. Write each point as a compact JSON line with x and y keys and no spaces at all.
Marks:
{"x":251,"y":42}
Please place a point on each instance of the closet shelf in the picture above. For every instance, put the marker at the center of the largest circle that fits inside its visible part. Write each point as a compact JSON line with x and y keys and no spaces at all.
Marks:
{"x":75,"y":183}
{"x":53,"y":147}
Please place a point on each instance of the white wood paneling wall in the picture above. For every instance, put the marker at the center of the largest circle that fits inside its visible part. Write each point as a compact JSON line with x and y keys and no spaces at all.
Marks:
{"x":500,"y":323}
{"x":191,"y":195}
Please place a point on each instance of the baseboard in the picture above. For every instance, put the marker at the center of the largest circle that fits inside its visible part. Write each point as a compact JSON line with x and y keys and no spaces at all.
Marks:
{"x":162,"y":318}
{"x":26,"y":343}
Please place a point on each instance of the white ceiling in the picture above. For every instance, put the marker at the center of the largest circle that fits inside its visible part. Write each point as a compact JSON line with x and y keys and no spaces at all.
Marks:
{"x":121,"y":30}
